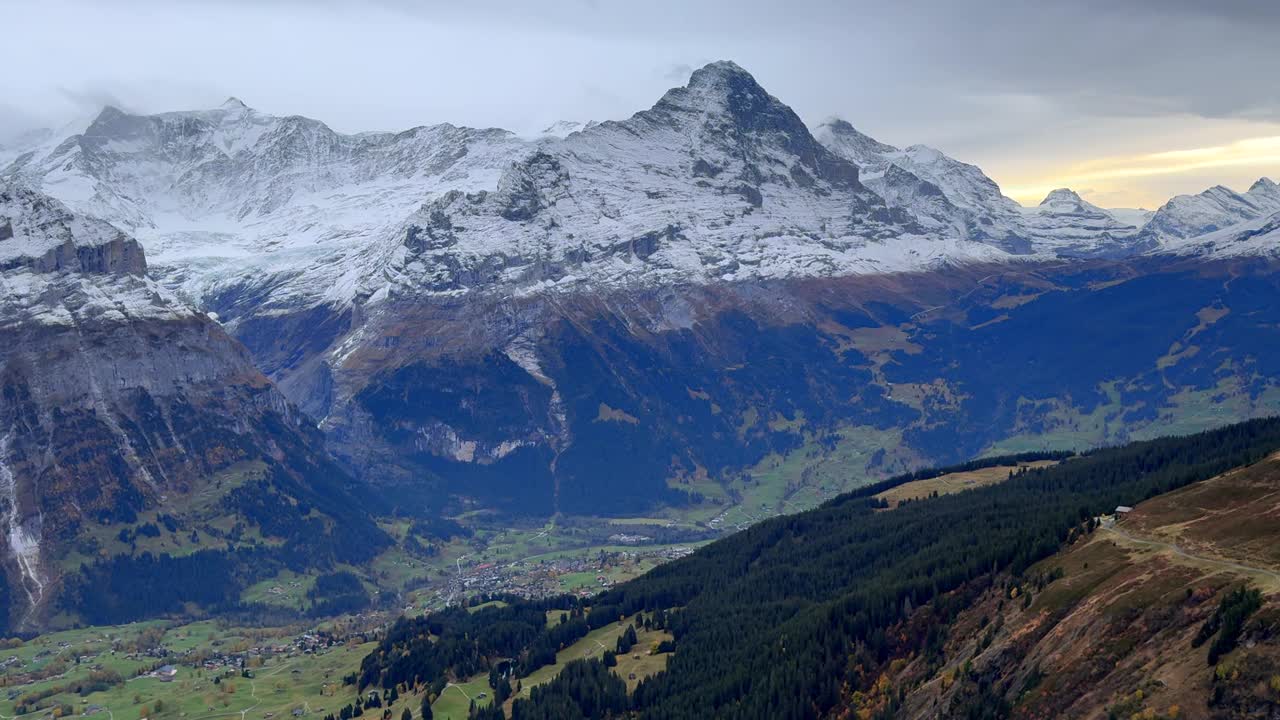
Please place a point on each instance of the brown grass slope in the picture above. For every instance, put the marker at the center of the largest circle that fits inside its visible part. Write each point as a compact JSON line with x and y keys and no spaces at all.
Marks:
{"x":1108,"y":628}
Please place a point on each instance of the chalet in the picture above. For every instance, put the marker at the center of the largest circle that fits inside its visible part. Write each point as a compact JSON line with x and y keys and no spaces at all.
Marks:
{"x":1122,"y":510}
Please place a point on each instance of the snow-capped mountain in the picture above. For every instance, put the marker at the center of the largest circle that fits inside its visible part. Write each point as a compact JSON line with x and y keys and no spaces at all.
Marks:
{"x":468,"y":311}
{"x":246,"y":213}
{"x":224,"y":195}
{"x":40,"y":237}
{"x":1080,"y":228}
{"x":947,"y":195}
{"x":1215,"y":209}
{"x":719,"y":181}
{"x":931,"y":185}
{"x":1260,"y":237}
{"x":115,"y":396}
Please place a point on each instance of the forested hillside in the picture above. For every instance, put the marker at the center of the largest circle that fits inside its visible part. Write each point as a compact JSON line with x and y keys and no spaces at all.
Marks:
{"x":788,"y":618}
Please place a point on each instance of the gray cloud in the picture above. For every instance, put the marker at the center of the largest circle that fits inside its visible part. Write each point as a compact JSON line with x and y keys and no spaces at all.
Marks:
{"x":92,"y":99}
{"x":677,"y":72}
{"x":14,"y":122}
{"x":992,"y":81}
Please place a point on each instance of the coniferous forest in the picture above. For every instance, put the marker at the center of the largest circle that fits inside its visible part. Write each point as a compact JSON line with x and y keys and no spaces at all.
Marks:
{"x":766,"y":621}
{"x":625,"y":390}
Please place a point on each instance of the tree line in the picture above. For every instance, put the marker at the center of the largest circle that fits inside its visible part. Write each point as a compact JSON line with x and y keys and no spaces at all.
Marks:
{"x":766,"y":621}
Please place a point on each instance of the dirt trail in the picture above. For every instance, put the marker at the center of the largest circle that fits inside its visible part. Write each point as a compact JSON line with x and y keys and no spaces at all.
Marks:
{"x":1270,"y":578}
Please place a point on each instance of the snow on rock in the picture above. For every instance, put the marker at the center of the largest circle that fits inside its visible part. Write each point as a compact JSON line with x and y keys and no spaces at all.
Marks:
{"x":970,"y":203}
{"x":230,"y":198}
{"x":1260,"y":237}
{"x":1080,"y":228}
{"x":40,"y":234}
{"x":946,"y":194}
{"x":251,"y":215}
{"x":1215,"y":209}
{"x":563,"y":128}
{"x":718,"y":181}
{"x":61,"y":268}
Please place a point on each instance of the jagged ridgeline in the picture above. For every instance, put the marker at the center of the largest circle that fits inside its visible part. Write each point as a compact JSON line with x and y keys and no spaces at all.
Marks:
{"x":471,"y":316}
{"x":788,"y":618}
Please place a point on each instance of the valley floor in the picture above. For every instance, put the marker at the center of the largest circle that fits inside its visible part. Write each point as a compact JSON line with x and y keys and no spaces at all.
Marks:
{"x":196,"y":671}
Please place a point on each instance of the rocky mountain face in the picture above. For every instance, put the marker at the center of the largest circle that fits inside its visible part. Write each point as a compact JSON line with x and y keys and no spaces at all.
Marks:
{"x":231,"y":202}
{"x":1122,"y":622}
{"x":1260,"y":237}
{"x":1218,"y":208}
{"x":719,"y":181}
{"x":116,"y":399}
{"x":529,"y":402}
{"x":468,"y":314}
{"x":958,"y":197}
{"x":1080,"y":228}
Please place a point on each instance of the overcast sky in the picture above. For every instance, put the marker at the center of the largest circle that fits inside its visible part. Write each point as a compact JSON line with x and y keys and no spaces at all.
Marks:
{"x":1127,"y":101}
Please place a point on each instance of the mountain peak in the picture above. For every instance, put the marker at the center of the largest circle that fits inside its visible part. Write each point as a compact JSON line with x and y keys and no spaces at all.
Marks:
{"x":108,"y":114}
{"x":1062,"y":195}
{"x":1264,"y":184}
{"x":233,"y":103}
{"x":925,"y":153}
{"x":718,"y":71}
{"x":724,"y":84}
{"x":727,"y":104}
{"x":839,"y":130}
{"x":111,"y":122}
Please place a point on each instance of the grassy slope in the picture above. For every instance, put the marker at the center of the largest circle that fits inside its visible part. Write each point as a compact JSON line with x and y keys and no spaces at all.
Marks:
{"x":1115,"y":632}
{"x":954,"y":482}
{"x":280,"y":684}
{"x":639,"y":661}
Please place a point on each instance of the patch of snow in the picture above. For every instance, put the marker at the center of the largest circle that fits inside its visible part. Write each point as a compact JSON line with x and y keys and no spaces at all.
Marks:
{"x":23,"y":535}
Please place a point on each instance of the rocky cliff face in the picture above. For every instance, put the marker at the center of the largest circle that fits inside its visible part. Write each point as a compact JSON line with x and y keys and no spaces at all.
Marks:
{"x":39,"y":236}
{"x":1215,"y":209}
{"x":529,"y":402}
{"x":718,"y":181}
{"x":115,"y":397}
{"x":695,"y":286}
{"x":952,"y":196}
{"x":1081,"y":229}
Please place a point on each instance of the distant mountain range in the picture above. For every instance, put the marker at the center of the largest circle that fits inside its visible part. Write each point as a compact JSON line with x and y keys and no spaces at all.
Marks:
{"x":469,"y":314}
{"x":718,"y":181}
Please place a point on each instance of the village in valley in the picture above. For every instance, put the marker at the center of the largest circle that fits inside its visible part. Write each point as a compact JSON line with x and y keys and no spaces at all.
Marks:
{"x":251,"y":667}
{"x":583,"y":575}
{"x":229,"y":669}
